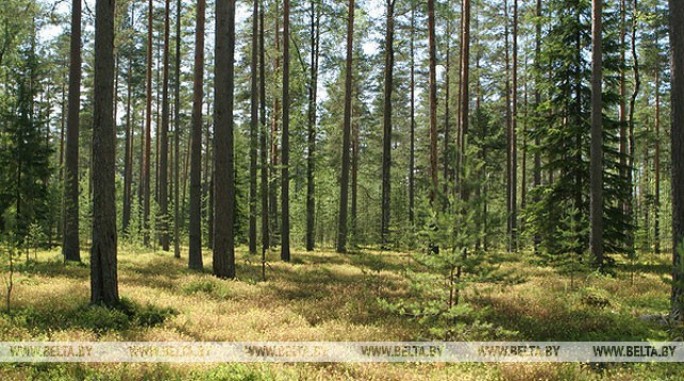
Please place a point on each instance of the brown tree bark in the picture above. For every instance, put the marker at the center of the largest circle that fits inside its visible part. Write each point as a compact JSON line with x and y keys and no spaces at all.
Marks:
{"x":224,"y":174}
{"x":464,"y":110}
{"x":509,"y":136}
{"x":71,"y":248}
{"x":412,"y":133}
{"x":265,"y":235}
{"x":432,"y":99}
{"x":177,"y":133}
{"x":148,"y":130}
{"x":103,"y":262}
{"x":346,"y":136}
{"x":285,"y":177}
{"x":195,"y":255}
{"x":596,"y":157}
{"x":677,"y":152}
{"x":311,"y":157}
{"x":387,"y":125}
{"x":253,"y":130}
{"x":164,"y":138}
{"x":273,"y":195}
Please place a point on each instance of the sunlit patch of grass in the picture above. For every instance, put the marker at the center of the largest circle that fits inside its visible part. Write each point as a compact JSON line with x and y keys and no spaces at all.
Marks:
{"x":322,"y":296}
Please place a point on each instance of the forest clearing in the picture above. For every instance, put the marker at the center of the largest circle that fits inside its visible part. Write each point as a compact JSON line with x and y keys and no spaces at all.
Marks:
{"x":322,"y":296}
{"x":497,"y":178}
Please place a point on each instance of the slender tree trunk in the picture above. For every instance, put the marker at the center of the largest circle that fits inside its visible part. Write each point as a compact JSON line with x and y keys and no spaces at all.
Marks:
{"x":148,"y":130}
{"x":509,"y":138}
{"x":224,"y":174}
{"x":285,"y":178}
{"x":677,"y":152}
{"x":412,"y":153}
{"x":447,"y":115}
{"x":596,"y":157}
{"x":265,"y":236}
{"x":207,"y":181}
{"x":630,"y":122}
{"x":523,"y":165}
{"x":195,"y":255}
{"x":60,"y":227}
{"x":622,"y":108}
{"x":346,"y":136}
{"x":537,"y":102}
{"x":432,"y":99}
{"x":128,"y":153}
{"x":177,"y":133}
{"x":514,"y":136}
{"x":103,"y":276}
{"x":164,"y":137}
{"x":71,"y":246}
{"x":387,"y":125}
{"x":273,"y":202}
{"x":656,"y":230}
{"x":354,"y":181}
{"x":465,"y":95}
{"x":311,"y":157}
{"x":253,"y":131}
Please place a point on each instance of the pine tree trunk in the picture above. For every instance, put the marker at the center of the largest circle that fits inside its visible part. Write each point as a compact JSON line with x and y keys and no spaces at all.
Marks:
{"x":148,"y":130}
{"x":630,"y":122}
{"x":311,"y":157}
{"x":71,"y":246}
{"x":224,"y":174}
{"x":412,"y":153}
{"x":514,"y":135}
{"x":346,"y":138}
{"x":656,"y":230}
{"x":387,"y":125}
{"x":432,"y":99}
{"x":177,"y":133}
{"x":103,"y":275}
{"x":622,"y":107}
{"x":537,"y":102}
{"x":509,"y":136}
{"x":677,"y":152}
{"x":265,"y":235}
{"x":128,"y":152}
{"x":195,"y":255}
{"x":465,"y":94}
{"x":164,"y":138}
{"x":273,"y":196}
{"x":285,"y":177}
{"x":596,"y":157}
{"x":253,"y":131}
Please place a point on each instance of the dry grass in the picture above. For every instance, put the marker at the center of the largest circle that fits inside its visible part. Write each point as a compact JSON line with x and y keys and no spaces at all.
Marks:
{"x":321,"y":296}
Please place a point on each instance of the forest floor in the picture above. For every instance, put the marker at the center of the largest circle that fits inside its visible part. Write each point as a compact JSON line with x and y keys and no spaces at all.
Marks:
{"x":323,"y":296}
